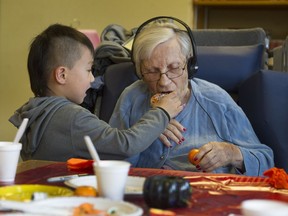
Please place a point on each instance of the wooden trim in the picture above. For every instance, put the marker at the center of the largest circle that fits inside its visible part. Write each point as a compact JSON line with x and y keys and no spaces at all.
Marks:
{"x":240,"y":2}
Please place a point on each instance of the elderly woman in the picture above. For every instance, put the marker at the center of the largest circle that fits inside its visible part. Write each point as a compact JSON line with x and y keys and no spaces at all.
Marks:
{"x":211,"y":121}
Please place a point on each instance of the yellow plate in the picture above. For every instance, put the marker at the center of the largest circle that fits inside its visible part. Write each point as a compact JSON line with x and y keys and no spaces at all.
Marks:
{"x":25,"y":192}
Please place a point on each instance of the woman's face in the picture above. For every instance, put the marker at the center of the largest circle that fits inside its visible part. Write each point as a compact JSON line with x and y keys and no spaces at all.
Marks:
{"x":167,"y":57}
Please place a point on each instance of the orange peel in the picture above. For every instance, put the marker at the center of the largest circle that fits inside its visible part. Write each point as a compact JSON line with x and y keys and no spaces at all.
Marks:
{"x":278,"y":178}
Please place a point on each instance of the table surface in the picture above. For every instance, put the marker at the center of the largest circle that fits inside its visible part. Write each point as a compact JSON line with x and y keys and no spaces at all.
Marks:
{"x":204,"y":201}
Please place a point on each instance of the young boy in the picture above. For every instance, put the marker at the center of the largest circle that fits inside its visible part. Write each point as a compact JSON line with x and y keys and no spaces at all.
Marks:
{"x":59,"y":65}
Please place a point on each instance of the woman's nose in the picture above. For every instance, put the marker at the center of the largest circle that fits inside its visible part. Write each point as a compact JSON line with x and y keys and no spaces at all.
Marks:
{"x":164,"y":80}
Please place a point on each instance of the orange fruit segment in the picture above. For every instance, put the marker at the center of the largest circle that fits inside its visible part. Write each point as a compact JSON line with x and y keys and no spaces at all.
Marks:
{"x":86,"y":191}
{"x":156,"y":98}
{"x":88,"y":209}
{"x":191,"y":156}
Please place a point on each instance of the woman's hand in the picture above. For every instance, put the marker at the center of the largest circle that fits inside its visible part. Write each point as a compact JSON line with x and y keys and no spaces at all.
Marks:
{"x":218,"y":154}
{"x":173,"y":132}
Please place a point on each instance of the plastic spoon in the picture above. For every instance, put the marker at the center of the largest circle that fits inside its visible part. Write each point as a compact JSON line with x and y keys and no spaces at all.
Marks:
{"x":21,"y":130}
{"x":92,"y":149}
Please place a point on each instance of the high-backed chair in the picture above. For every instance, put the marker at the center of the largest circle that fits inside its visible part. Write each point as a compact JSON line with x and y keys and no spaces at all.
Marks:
{"x":227,"y":62}
{"x":116,"y":78}
{"x":264,"y":99}
{"x":280,"y":57}
{"x":227,"y":57}
{"x":229,"y":37}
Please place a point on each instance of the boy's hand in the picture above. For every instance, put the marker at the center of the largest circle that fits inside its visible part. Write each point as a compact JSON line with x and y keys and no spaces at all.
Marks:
{"x":169,"y":102}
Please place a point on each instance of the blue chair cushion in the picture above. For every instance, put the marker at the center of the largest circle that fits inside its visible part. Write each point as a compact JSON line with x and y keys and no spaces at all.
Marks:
{"x":229,"y":66}
{"x":116,"y":78}
{"x":264,"y":99}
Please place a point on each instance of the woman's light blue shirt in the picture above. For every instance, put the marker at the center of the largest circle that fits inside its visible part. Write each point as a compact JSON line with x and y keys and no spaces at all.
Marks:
{"x":210,"y":115}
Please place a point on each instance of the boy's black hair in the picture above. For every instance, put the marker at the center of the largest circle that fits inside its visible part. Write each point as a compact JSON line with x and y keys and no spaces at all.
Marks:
{"x":58,"y":45}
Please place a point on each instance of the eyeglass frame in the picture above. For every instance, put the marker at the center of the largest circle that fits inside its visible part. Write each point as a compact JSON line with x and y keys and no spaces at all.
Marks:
{"x":162,"y":73}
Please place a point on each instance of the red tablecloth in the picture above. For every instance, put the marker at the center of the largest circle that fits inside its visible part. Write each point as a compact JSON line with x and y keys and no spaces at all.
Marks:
{"x":216,"y":194}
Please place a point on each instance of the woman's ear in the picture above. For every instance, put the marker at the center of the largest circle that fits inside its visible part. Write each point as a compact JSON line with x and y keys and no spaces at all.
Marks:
{"x":60,"y":74}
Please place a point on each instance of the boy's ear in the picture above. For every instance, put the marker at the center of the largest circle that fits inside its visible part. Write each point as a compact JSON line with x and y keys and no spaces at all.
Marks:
{"x":60,"y":74}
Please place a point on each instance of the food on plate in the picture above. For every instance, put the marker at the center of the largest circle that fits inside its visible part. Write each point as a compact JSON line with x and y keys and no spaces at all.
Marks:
{"x":87,"y":191}
{"x":191,"y":156}
{"x":155,"y":98}
{"x":86,"y":209}
{"x":160,"y":212}
{"x":167,"y":192}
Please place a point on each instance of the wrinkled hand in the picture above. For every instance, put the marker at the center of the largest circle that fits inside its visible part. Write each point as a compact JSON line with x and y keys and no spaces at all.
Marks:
{"x":217,"y":154}
{"x":173,"y":132}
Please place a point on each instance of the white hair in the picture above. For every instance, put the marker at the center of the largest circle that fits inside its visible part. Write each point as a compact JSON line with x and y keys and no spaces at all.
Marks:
{"x":154,"y":34}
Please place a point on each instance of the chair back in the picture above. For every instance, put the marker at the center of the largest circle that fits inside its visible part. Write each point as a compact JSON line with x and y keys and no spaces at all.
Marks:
{"x":116,"y":78}
{"x":264,"y":99}
{"x":228,"y":57}
{"x":280,"y":57}
{"x":229,"y":37}
{"x":225,"y":57}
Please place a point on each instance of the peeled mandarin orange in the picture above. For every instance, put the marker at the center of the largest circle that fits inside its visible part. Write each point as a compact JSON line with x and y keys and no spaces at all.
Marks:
{"x":191,"y":156}
{"x":87,"y":191}
{"x":156,"y":98}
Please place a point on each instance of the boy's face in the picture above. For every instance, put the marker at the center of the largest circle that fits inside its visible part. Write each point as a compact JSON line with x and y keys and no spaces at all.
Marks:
{"x":79,"y":77}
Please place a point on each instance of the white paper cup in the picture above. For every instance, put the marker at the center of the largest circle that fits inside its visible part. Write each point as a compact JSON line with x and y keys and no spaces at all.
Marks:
{"x":111,"y":178}
{"x":9,"y":157}
{"x":262,"y":207}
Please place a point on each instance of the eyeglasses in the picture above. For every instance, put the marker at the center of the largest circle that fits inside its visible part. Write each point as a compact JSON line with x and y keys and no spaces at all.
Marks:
{"x":171,"y":74}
